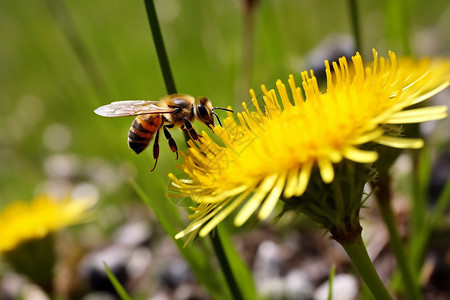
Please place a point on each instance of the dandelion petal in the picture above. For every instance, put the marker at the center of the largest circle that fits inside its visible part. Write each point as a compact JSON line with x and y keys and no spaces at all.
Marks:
{"x":254,"y":202}
{"x":223,"y":214}
{"x":359,"y":155}
{"x":303,"y":178}
{"x":326,"y":170}
{"x":273,"y":197}
{"x":419,"y":115}
{"x":291,"y":183}
{"x":431,"y":93}
{"x":402,"y":143}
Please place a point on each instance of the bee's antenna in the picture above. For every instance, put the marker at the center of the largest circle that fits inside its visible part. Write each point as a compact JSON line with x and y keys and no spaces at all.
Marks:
{"x":217,"y":117}
{"x":222,"y":108}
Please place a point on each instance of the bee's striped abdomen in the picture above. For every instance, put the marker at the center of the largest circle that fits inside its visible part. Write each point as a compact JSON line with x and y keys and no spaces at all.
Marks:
{"x":142,"y":131}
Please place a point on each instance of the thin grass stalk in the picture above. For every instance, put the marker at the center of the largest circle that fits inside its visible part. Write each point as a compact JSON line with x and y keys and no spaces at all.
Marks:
{"x":225,"y":265}
{"x":160,"y":47}
{"x":420,"y":175}
{"x":121,"y":292}
{"x":418,"y":246}
{"x":330,"y":282}
{"x":398,"y":28}
{"x":354,"y":18}
{"x":248,"y":34}
{"x":410,"y":283}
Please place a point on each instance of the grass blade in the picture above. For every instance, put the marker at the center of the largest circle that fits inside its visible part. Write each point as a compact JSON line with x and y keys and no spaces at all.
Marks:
{"x":119,"y":288}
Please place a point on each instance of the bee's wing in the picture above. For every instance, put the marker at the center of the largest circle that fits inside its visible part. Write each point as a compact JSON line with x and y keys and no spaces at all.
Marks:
{"x":131,"y":108}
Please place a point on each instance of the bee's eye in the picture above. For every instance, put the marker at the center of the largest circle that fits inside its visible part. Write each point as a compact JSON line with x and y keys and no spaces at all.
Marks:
{"x":202,"y":112}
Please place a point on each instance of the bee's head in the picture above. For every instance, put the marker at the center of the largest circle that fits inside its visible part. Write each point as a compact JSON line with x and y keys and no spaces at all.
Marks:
{"x":204,"y":111}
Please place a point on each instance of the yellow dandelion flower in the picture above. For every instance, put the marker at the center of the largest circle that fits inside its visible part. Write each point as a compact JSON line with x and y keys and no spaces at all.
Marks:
{"x":22,"y":221}
{"x":270,"y":152}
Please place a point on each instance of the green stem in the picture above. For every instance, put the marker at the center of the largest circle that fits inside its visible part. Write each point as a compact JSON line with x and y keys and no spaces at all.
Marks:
{"x":248,"y":33}
{"x":225,"y":265}
{"x":160,"y":48}
{"x":410,"y":284}
{"x":421,"y":176}
{"x":360,"y":258}
{"x":330,"y":282}
{"x":398,"y":28}
{"x":353,"y":6}
{"x":420,"y":242}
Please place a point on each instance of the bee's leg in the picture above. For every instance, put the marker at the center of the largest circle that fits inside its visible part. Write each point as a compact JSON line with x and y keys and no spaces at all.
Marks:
{"x":186,"y":132}
{"x":172,"y":144}
{"x":156,"y":149}
{"x":190,"y":130}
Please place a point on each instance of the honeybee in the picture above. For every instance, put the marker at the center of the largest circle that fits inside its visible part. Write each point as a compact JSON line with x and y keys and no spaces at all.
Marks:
{"x":176,"y":110}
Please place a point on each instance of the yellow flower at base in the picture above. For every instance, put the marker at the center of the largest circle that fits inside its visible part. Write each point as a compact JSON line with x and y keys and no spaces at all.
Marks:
{"x":22,"y":221}
{"x":272,"y":151}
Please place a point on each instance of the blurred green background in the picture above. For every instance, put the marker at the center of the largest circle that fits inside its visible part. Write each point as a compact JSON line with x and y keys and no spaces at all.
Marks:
{"x":59,"y":60}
